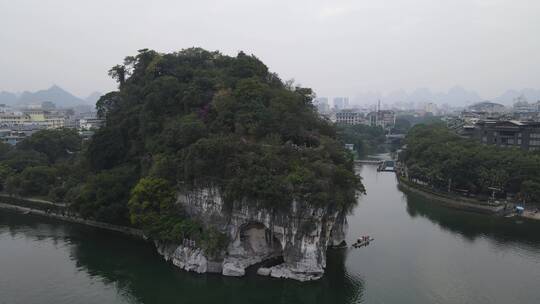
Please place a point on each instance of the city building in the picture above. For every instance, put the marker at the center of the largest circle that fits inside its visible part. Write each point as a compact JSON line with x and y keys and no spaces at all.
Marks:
{"x":4,"y":108}
{"x":13,"y":119}
{"x":32,"y":117}
{"x":351,"y":117}
{"x":341,"y":103}
{"x":509,"y":133}
{"x":322,"y":105}
{"x":522,"y":110}
{"x":430,"y":107}
{"x":487,"y":107}
{"x":90,"y":123}
{"x":15,"y":125}
{"x":382,"y":118}
{"x":15,"y":134}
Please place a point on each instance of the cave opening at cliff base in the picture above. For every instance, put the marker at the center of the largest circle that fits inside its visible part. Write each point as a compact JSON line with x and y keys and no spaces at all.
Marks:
{"x":258,"y":241}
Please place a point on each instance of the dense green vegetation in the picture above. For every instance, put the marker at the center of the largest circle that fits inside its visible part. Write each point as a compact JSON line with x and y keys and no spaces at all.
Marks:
{"x":372,"y":139}
{"x":43,"y":165}
{"x":189,"y":120}
{"x":366,"y":139}
{"x":442,"y":159}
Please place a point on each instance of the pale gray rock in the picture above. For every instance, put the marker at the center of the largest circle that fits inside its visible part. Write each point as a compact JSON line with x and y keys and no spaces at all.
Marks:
{"x":187,"y":258}
{"x":300,"y":234}
{"x":286,"y":272}
{"x":233,"y":269}
{"x":190,"y":259}
{"x":263,"y":271}
{"x":337,"y":235}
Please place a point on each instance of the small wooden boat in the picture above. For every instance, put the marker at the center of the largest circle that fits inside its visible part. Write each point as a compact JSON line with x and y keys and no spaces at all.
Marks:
{"x":363,"y":242}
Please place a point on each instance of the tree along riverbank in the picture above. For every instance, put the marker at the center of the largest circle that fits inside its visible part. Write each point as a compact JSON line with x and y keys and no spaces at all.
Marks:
{"x":455,"y":202}
{"x":60,"y":212}
{"x":437,"y":157}
{"x":463,"y":203}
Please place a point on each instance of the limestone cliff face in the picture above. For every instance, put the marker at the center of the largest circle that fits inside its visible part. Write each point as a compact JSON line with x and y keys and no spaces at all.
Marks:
{"x":300,"y":235}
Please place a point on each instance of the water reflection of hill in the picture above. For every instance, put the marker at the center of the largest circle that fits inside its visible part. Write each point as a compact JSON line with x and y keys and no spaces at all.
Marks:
{"x":141,"y":276}
{"x":472,"y":225}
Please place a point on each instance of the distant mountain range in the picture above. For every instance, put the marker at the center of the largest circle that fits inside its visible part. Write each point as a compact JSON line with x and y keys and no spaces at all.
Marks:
{"x":456,"y":96}
{"x":56,"y":94}
{"x":93,"y":97}
{"x":531,"y":95}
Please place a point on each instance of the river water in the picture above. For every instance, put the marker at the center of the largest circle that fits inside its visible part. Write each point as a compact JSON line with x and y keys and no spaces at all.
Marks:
{"x":422,"y":253}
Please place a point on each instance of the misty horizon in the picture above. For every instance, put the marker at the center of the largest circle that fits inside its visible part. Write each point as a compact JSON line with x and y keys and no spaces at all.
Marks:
{"x":338,"y":48}
{"x":455,"y":96}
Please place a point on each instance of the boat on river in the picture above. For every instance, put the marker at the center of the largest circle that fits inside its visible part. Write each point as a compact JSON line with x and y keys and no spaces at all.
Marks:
{"x":363,"y":241}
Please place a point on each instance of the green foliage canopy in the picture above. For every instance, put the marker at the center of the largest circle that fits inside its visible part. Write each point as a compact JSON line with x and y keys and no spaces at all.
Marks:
{"x":189,"y":120}
{"x":366,"y":139}
{"x":439,"y":157}
{"x":222,"y":121}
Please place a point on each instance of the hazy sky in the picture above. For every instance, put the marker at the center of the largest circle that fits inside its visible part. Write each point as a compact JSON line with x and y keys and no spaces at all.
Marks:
{"x":335,"y":47}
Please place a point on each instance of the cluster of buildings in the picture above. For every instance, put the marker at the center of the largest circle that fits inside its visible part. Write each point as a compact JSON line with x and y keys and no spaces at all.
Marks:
{"x":381,"y":118}
{"x":18,"y":123}
{"x":323,"y":105}
{"x":494,"y":124}
{"x":515,"y":126}
{"x":508,"y":133}
{"x":342,"y":113}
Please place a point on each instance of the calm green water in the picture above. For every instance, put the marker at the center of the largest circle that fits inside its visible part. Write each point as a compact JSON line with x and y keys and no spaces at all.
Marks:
{"x":422,"y":253}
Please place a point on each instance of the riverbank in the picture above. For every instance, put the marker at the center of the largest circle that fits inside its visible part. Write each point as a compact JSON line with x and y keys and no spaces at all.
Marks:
{"x":54,"y":210}
{"x":531,"y":215}
{"x":462,"y":203}
{"x":423,"y":251}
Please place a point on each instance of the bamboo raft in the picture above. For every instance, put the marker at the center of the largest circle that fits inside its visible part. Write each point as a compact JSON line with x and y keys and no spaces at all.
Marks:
{"x":363,"y":242}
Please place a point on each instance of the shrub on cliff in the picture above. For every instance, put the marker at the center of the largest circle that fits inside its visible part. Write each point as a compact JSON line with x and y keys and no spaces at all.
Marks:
{"x":152,"y":207}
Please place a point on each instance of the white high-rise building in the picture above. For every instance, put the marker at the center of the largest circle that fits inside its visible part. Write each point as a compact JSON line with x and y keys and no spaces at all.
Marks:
{"x":321,"y":103}
{"x":431,"y":108}
{"x":341,"y":103}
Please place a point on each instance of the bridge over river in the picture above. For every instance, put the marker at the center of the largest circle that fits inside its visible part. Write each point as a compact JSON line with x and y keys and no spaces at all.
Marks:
{"x":368,"y":161}
{"x":382,"y":165}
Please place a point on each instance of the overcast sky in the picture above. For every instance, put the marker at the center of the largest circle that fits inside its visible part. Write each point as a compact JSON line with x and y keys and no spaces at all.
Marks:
{"x":335,"y":47}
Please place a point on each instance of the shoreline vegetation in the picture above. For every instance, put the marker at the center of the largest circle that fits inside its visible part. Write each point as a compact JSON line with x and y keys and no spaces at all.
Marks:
{"x":447,"y":163}
{"x":452,"y":201}
{"x":456,"y":201}
{"x":462,"y":203}
{"x":463,"y":174}
{"x":366,"y":140}
{"x":57,"y":211}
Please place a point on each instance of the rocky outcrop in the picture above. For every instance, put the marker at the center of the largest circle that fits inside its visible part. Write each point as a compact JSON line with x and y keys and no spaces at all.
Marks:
{"x":300,"y":235}
{"x":263,"y":271}
{"x":337,"y":235}
{"x":188,"y":258}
